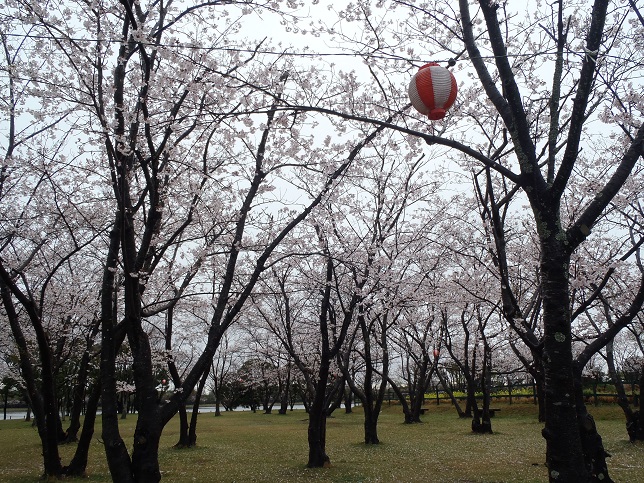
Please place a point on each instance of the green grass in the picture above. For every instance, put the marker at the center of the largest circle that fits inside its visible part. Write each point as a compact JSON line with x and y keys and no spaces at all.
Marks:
{"x":247,"y":447}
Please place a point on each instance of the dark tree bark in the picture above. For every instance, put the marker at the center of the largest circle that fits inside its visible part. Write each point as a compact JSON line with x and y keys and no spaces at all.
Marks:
{"x":78,"y":402}
{"x":564,"y":451}
{"x":269,"y":395}
{"x":337,"y":388}
{"x":285,"y":391}
{"x":481,"y":422}
{"x":192,"y":434}
{"x":118,"y":458}
{"x":46,"y":423}
{"x":216,"y":391}
{"x":418,"y":368}
{"x":371,"y":414}
{"x":622,"y":399}
{"x":371,"y":427}
{"x":145,"y":454}
{"x":183,"y":427}
{"x":348,"y":401}
{"x":480,"y":416}
{"x":571,"y":438}
{"x":317,"y":422}
{"x":593,"y":450}
{"x":78,"y":464}
{"x":184,"y":439}
{"x":370,"y":396}
{"x":447,"y":386}
{"x":318,"y":410}
{"x":402,"y":398}
{"x":330,"y":345}
{"x":639,"y":435}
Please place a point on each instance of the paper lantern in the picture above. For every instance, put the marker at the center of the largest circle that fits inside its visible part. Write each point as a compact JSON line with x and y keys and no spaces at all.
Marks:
{"x":432,"y":90}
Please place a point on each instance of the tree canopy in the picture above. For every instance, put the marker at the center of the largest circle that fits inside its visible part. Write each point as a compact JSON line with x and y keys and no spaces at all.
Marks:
{"x":178,"y":175}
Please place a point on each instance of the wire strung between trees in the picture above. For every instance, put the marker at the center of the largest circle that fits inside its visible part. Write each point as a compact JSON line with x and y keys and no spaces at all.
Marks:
{"x":239,"y":50}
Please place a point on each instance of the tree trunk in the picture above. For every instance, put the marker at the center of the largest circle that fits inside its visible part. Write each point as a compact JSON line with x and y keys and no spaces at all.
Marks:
{"x":471,"y":406}
{"x":78,"y":465}
{"x":591,"y":441}
{"x":564,"y":453}
{"x":448,"y":389}
{"x":43,"y":401}
{"x":317,"y":440}
{"x":118,"y":459}
{"x":317,"y":430}
{"x":283,"y":406}
{"x":145,"y":455}
{"x":640,"y":413}
{"x":216,"y":390}
{"x":348,"y":401}
{"x":53,"y":466}
{"x":541,"y":400}
{"x":284,"y":395}
{"x":317,"y":419}
{"x":123,"y":405}
{"x":484,"y":425}
{"x":338,"y":390}
{"x":192,"y":433}
{"x":371,"y":395}
{"x":622,"y":399}
{"x":416,"y":403}
{"x":183,"y":427}
{"x":149,"y":425}
{"x":403,"y":402}
{"x":78,"y":398}
{"x":370,"y":426}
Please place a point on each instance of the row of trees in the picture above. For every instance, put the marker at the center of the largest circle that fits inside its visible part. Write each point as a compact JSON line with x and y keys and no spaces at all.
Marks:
{"x":265,"y":377}
{"x":166,"y":178}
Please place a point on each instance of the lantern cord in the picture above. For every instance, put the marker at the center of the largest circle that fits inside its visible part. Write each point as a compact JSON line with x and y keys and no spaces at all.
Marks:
{"x":413,"y":61}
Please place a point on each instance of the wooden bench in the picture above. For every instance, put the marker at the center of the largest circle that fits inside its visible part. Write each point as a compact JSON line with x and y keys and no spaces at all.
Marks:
{"x":493,"y":411}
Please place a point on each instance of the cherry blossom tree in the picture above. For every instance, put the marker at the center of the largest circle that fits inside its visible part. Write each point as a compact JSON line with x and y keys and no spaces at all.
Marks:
{"x":223,"y":368}
{"x":306,"y":308}
{"x":202,"y":157}
{"x":187,"y":141}
{"x":314,"y":347}
{"x":273,"y":365}
{"x":417,"y":342}
{"x":544,"y":190}
{"x":380,"y":222}
{"x":49,"y":230}
{"x":544,"y":123}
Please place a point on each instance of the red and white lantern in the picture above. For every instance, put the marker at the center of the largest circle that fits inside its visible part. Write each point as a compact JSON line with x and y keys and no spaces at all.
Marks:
{"x":432,"y":90}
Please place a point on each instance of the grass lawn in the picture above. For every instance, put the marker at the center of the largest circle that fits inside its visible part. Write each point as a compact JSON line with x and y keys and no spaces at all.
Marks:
{"x":246,"y":447}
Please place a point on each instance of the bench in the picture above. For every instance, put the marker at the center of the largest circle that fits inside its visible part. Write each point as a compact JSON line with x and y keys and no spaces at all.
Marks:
{"x":493,"y":411}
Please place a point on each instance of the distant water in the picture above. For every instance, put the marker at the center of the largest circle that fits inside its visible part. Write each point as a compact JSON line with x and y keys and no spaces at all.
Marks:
{"x":18,"y":414}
